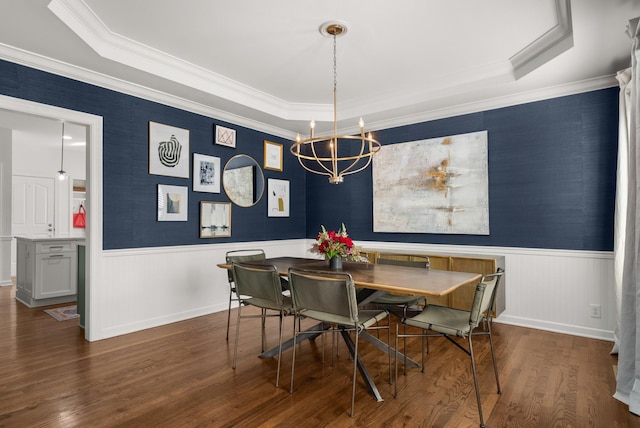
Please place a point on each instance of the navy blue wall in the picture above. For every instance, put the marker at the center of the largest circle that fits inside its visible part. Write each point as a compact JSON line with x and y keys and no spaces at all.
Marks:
{"x":130,"y":192}
{"x":552,"y":167}
{"x":552,"y":171}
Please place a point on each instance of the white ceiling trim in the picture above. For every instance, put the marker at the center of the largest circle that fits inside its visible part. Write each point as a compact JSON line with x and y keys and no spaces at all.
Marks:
{"x":90,"y":28}
{"x":555,"y":41}
{"x":49,"y":65}
{"x":60,"y":68}
{"x":495,"y":103}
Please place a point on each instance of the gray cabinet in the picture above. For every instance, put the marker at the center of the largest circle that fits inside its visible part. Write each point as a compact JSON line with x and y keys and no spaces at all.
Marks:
{"x":46,"y":271}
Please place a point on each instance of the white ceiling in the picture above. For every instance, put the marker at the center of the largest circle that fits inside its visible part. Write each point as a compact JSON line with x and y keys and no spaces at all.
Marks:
{"x":265,"y":64}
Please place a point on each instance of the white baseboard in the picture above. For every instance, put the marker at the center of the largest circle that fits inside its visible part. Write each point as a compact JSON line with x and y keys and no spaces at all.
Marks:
{"x":575,"y":330}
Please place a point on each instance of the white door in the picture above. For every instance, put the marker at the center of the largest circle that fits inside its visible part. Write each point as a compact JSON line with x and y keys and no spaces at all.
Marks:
{"x":32,"y":207}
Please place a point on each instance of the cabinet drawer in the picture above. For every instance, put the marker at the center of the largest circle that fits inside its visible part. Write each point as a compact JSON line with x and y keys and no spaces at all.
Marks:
{"x":55,"y":247}
{"x":56,"y":275}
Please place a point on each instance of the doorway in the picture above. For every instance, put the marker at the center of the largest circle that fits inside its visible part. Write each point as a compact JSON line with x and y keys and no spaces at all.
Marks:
{"x":91,"y":125}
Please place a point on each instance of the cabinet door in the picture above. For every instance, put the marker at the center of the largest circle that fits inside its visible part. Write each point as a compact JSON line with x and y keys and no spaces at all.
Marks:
{"x":55,"y":275}
{"x":32,"y":206}
{"x":462,"y":298}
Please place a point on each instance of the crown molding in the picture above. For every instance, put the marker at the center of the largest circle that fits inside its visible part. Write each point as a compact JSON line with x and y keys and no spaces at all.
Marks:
{"x":63,"y":69}
{"x":495,"y":103}
{"x":49,"y":65}
{"x":76,"y":15}
{"x":555,"y":41}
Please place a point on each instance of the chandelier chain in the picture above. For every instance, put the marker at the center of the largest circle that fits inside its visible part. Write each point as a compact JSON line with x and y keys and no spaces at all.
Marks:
{"x":335,"y":66}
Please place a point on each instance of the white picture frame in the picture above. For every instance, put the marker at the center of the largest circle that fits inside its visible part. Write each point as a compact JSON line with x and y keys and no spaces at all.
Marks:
{"x":278,"y":198}
{"x":225,"y":136}
{"x":215,"y":219}
{"x":206,"y":173}
{"x":168,"y":150}
{"x":173,"y":203}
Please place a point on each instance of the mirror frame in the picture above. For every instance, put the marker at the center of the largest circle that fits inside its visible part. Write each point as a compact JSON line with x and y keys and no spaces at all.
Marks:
{"x":258,"y":178}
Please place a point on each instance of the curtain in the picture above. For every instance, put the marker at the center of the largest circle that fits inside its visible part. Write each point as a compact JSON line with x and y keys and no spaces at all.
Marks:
{"x":627,"y":238}
{"x":624,"y":79}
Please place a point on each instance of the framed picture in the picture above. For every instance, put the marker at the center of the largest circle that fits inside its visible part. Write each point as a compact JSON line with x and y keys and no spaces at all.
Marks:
{"x":225,"y":136}
{"x":278,"y":199}
{"x":215,"y":219}
{"x":272,"y":156}
{"x":168,"y":150}
{"x":239,"y":183}
{"x":173,"y":203}
{"x":206,"y":173}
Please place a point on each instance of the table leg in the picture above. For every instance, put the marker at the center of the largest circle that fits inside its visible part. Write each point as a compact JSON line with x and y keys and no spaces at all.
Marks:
{"x":311,"y":333}
{"x":386,"y":347}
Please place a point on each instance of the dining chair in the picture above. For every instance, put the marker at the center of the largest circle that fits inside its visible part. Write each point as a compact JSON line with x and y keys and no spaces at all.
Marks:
{"x":398,"y":304}
{"x":449,"y":322}
{"x":330,"y":297}
{"x":239,"y":256}
{"x":259,"y":286}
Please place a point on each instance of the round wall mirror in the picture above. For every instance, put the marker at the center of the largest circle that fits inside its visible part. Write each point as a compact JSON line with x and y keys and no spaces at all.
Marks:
{"x":243,"y":180}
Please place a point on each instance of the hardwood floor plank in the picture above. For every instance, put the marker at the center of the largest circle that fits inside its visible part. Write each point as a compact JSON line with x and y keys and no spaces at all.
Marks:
{"x":180,"y":375}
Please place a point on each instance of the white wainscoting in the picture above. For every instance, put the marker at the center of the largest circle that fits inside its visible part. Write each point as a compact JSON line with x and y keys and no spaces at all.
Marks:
{"x":545,"y":289}
{"x":148,"y":287}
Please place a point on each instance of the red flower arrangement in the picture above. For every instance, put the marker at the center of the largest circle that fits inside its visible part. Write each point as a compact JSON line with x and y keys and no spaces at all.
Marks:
{"x":336,"y":244}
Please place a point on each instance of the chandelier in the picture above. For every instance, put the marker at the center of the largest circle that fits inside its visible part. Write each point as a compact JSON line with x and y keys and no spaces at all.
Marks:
{"x":335,"y":155}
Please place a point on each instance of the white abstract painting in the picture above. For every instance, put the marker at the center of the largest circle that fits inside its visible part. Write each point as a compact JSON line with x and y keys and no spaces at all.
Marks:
{"x":439,"y":185}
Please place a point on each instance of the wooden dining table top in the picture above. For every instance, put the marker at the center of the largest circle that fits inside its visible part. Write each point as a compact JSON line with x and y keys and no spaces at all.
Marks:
{"x":391,"y":278}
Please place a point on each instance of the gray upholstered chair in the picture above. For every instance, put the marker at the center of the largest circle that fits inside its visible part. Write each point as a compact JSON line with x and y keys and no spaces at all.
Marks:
{"x":392,"y":301}
{"x":239,"y":256}
{"x":330,"y":298}
{"x":398,"y":304}
{"x":450,"y":322}
{"x":259,"y":286}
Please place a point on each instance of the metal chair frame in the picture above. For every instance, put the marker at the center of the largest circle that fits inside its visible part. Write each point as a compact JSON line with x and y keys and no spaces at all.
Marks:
{"x":402,"y":302}
{"x":259,"y":286}
{"x":330,"y":297}
{"x":239,"y":256}
{"x":479,"y":313}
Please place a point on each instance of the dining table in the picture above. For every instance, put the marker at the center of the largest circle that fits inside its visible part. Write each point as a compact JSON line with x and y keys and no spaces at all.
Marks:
{"x":371,"y":280}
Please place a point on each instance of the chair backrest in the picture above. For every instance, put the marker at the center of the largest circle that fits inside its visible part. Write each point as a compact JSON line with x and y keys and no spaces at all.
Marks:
{"x":484,"y":297}
{"x":424,"y":264}
{"x":324,"y":292}
{"x":257,"y":281}
{"x":243,"y":256}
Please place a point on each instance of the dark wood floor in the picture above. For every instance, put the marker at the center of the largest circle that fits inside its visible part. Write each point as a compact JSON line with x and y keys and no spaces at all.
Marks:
{"x":180,"y":375}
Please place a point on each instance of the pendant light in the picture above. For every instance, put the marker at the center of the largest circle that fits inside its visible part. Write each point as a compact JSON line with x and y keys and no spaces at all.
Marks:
{"x":62,"y":174}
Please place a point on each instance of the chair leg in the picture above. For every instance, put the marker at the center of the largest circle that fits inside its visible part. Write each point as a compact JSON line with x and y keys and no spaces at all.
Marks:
{"x":293,"y":353}
{"x":229,"y":315}
{"x":422,"y":340}
{"x":404,"y":341}
{"x":264,"y":334}
{"x":355,"y":371}
{"x":279,"y":350}
{"x":493,"y":356}
{"x":395,"y":359}
{"x":475,"y":381}
{"x":389,"y":344}
{"x":235,"y":348}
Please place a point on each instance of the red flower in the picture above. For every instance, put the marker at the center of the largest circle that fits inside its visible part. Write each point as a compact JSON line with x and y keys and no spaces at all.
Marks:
{"x":336,"y":244}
